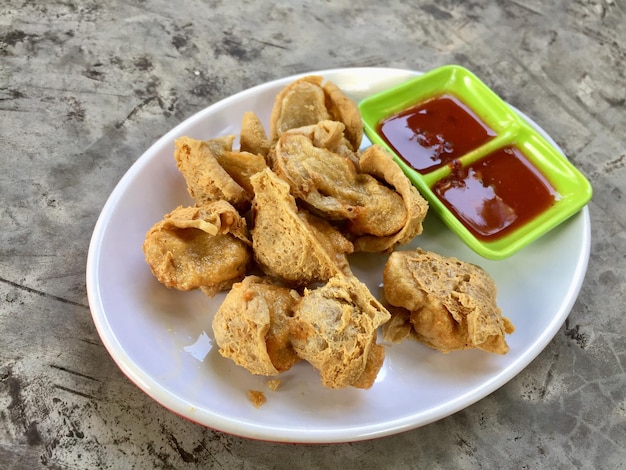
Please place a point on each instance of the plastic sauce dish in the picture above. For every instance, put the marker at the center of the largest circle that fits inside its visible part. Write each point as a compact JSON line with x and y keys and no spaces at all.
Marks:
{"x":489,"y":173}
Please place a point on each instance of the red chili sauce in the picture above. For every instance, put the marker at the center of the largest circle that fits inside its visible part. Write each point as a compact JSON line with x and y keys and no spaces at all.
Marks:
{"x":496,"y":194}
{"x":434,"y":133}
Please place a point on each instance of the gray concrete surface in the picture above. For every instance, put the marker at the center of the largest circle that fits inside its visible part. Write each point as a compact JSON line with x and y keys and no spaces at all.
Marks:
{"x":87,"y":86}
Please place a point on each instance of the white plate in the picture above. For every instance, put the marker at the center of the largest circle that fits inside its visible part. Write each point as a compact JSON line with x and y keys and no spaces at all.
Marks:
{"x":162,"y":339}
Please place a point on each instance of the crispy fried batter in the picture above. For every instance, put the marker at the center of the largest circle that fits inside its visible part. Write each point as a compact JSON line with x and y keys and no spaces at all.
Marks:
{"x":252,"y":137}
{"x":300,"y":103}
{"x":206,"y":180}
{"x":334,"y":328}
{"x":251,"y":326}
{"x":203,"y":247}
{"x":377,"y":162}
{"x":289,"y":243}
{"x":450,"y":304}
{"x":329,"y":135}
{"x":241,"y":166}
{"x":308,"y":101}
{"x":332,"y":185}
{"x":399,"y":326}
{"x":345,"y":110}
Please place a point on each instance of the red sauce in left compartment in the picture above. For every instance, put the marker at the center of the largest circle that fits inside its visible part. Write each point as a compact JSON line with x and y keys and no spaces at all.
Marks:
{"x":434,"y":133}
{"x":496,"y":194}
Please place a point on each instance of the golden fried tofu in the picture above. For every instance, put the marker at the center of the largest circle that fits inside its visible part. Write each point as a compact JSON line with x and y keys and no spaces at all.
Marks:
{"x":301,"y":103}
{"x":206,"y":179}
{"x":329,"y":135}
{"x":377,"y":162}
{"x":289,"y":243}
{"x":308,"y":101}
{"x":345,"y":110}
{"x":443,"y":302}
{"x":252,"y":137}
{"x":252,"y":326}
{"x":205,"y":247}
{"x":334,"y":329}
{"x":241,"y":166}
{"x":333,"y":187}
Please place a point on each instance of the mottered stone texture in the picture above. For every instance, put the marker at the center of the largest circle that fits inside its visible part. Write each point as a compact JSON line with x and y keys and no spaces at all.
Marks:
{"x":87,"y":86}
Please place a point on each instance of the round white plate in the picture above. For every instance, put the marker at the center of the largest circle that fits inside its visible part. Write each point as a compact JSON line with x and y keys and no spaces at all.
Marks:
{"x":162,"y":339}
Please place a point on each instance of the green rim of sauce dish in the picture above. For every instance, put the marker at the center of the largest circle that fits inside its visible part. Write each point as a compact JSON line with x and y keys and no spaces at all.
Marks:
{"x":572,"y":190}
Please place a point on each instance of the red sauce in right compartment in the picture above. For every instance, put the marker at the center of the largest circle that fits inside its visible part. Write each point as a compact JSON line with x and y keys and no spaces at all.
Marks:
{"x":496,"y":194}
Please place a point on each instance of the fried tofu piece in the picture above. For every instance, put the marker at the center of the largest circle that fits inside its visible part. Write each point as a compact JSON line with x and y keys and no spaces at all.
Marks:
{"x":443,"y":302}
{"x":252,"y":137}
{"x":329,"y":135}
{"x":333,"y":187}
{"x":289,"y":243}
{"x":308,"y":101}
{"x":301,"y":103}
{"x":345,"y":110}
{"x":207,"y":180}
{"x":334,"y":329}
{"x":251,"y":327}
{"x":205,"y":247}
{"x":241,"y":166}
{"x":377,"y":162}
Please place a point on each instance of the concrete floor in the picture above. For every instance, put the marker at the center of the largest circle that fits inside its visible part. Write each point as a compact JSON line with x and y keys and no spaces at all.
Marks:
{"x":87,"y":86}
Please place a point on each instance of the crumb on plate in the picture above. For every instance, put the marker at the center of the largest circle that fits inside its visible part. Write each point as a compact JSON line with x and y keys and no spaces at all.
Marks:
{"x":256,"y":397}
{"x":273,"y":384}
